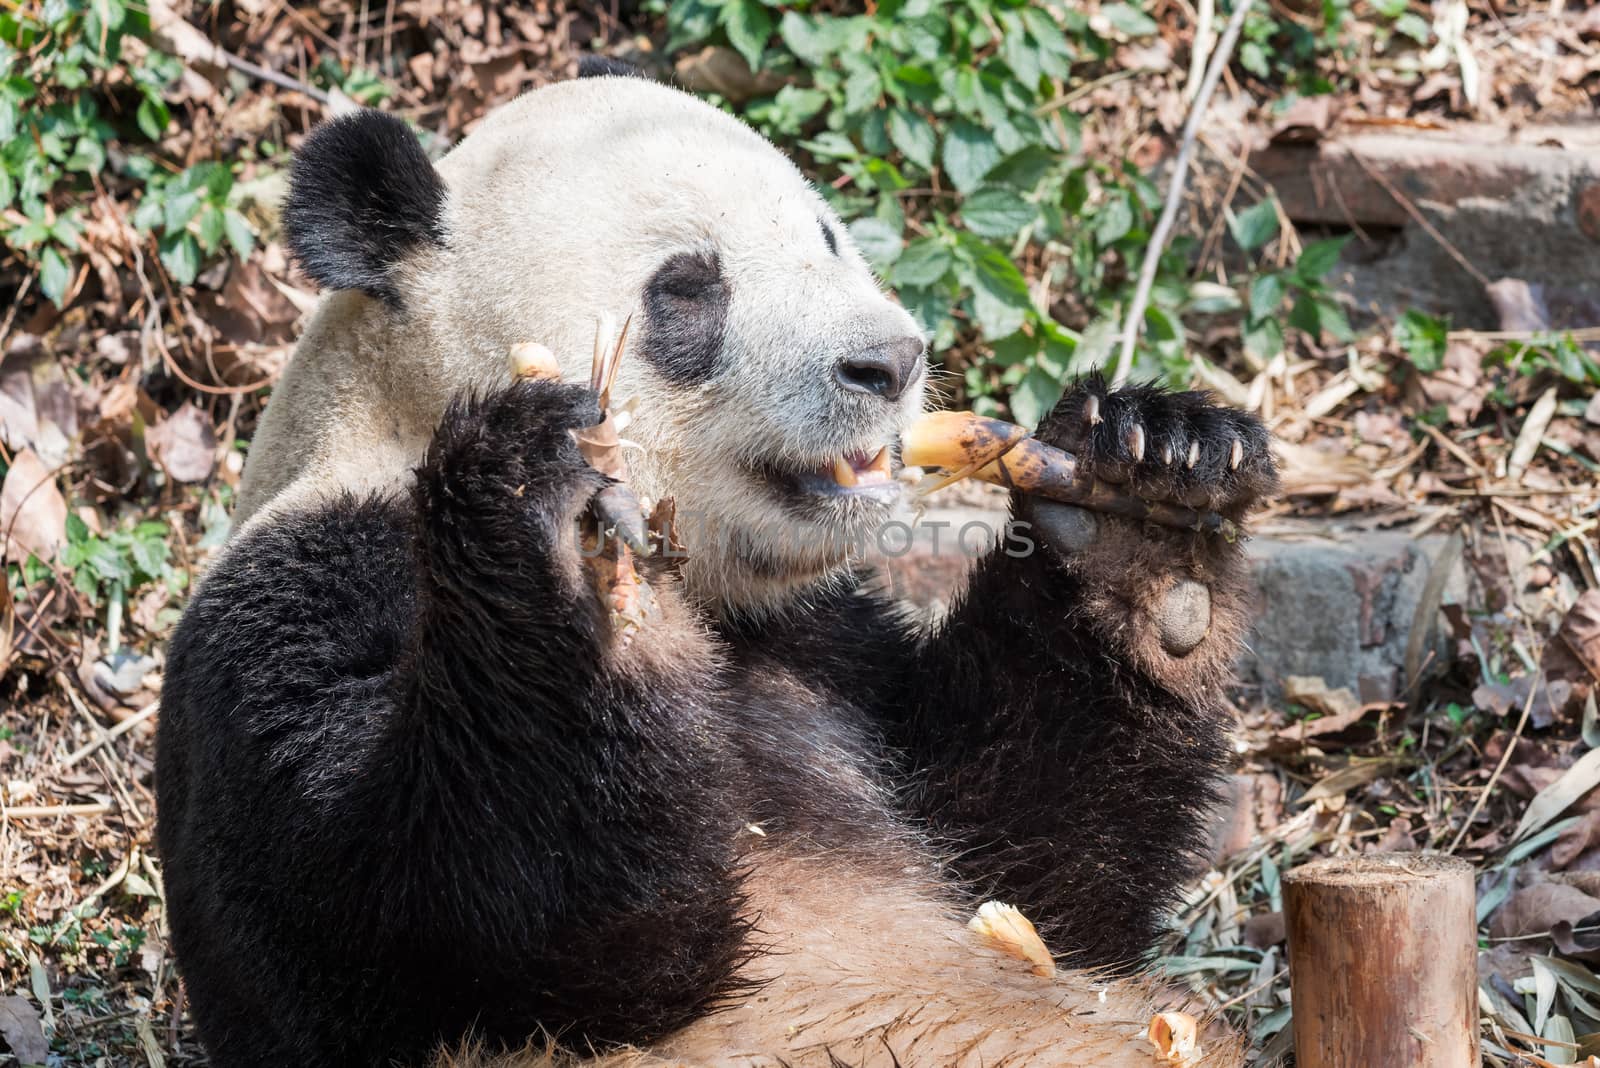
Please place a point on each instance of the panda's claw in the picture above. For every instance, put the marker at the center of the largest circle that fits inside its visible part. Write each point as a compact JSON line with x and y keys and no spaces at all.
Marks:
{"x":1136,"y":442}
{"x":1091,"y":410}
{"x":1235,"y":455}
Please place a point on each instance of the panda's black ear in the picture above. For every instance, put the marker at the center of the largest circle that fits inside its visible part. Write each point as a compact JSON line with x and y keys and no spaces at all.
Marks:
{"x":601,"y":66}
{"x":362,"y":196}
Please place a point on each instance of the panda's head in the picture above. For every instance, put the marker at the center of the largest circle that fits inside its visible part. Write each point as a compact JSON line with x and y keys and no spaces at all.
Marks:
{"x":769,"y":366}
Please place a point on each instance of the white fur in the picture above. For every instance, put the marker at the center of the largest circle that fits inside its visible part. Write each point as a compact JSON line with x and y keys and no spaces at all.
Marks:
{"x":559,"y":208}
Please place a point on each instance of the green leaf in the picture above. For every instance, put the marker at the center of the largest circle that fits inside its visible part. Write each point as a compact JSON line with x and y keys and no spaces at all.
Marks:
{"x":1212,"y":298}
{"x":1423,"y":338}
{"x":1266,"y":295}
{"x":1000,"y":294}
{"x":748,"y":25}
{"x":924,"y":262}
{"x":996,"y":212}
{"x":153,"y":117}
{"x":55,"y":275}
{"x":969,"y":154}
{"x":1319,"y":258}
{"x":1256,"y":225}
{"x":210,"y":229}
{"x":178,"y":210}
{"x":805,"y":38}
{"x":241,"y":235}
{"x":913,"y":136}
{"x":878,"y":241}
{"x":1304,"y":316}
{"x":1415,"y":27}
{"x":1034,"y":396}
{"x":1253,"y":58}
{"x":862,"y":91}
{"x":1114,"y":219}
{"x":996,"y":318}
{"x":181,"y":256}
{"x":1128,"y":20}
{"x":1264,"y":339}
{"x":1331,"y":317}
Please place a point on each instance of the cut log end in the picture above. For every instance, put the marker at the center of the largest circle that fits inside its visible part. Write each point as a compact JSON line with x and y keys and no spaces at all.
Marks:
{"x":1383,"y":961}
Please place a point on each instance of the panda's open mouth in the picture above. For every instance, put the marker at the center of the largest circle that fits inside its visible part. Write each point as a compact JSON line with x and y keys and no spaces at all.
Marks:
{"x":854,"y":474}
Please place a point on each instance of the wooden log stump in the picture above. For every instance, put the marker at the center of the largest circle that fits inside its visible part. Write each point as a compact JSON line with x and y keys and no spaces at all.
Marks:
{"x":1383,"y":962}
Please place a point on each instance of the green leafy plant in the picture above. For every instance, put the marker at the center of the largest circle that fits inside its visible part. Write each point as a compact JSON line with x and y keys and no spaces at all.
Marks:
{"x":191,"y":212}
{"x":113,"y":565}
{"x":60,"y":65}
{"x":1423,"y":338}
{"x":938,"y":128}
{"x":1303,"y":288}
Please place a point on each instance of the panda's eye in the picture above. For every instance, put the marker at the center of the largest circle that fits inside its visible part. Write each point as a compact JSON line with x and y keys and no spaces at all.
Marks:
{"x":828,"y":238}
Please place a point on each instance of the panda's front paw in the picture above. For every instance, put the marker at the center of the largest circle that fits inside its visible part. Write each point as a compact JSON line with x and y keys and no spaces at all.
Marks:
{"x":1144,"y":580}
{"x":506,"y":462}
{"x":1164,"y":446}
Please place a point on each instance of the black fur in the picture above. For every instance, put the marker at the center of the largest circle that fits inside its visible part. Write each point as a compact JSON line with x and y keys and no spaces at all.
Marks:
{"x":685,"y":317}
{"x":362,"y":196}
{"x":603,"y":66}
{"x":399,"y":798}
{"x":407,"y":791}
{"x":827,"y":237}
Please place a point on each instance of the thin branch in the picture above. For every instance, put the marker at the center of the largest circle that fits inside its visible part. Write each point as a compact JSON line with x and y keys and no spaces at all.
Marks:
{"x":1180,"y":177}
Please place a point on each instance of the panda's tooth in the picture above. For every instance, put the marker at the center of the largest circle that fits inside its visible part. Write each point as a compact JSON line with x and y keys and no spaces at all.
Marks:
{"x":843,"y":473}
{"x":881,"y":463}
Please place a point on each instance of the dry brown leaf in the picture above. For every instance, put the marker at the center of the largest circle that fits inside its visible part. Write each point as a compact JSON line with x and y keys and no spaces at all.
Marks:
{"x":184,"y":444}
{"x":1580,"y":633}
{"x":1009,"y":931}
{"x":1556,"y":798}
{"x":33,"y":514}
{"x":1534,"y":910}
{"x":1337,"y":708}
{"x":21,"y":1028}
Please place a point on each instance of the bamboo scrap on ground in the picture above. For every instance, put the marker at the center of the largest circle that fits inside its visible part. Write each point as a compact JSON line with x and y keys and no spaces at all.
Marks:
{"x":1383,"y":961}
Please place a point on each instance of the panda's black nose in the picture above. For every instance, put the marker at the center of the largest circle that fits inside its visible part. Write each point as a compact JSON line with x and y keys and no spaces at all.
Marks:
{"x":885,"y":370}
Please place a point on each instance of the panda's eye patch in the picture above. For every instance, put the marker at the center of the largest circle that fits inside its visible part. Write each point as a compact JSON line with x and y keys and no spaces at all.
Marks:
{"x":828,"y":238}
{"x":688,"y":276}
{"x":686,"y":312}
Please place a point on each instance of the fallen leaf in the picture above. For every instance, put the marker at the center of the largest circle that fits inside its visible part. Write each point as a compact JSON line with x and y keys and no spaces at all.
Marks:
{"x":33,"y":514}
{"x":1336,"y":708}
{"x":184,"y":444}
{"x":1577,"y":938}
{"x":1263,"y":931}
{"x":1536,"y":909}
{"x":21,"y":1028}
{"x":1579,"y":632}
{"x":1573,"y":841}
{"x":1532,"y":432}
{"x":1559,"y":795}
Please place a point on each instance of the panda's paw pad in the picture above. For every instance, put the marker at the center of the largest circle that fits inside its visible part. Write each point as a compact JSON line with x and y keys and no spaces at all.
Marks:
{"x":1165,"y":446}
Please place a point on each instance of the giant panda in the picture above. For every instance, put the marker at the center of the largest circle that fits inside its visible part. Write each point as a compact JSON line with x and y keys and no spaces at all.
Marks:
{"x":420,"y":802}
